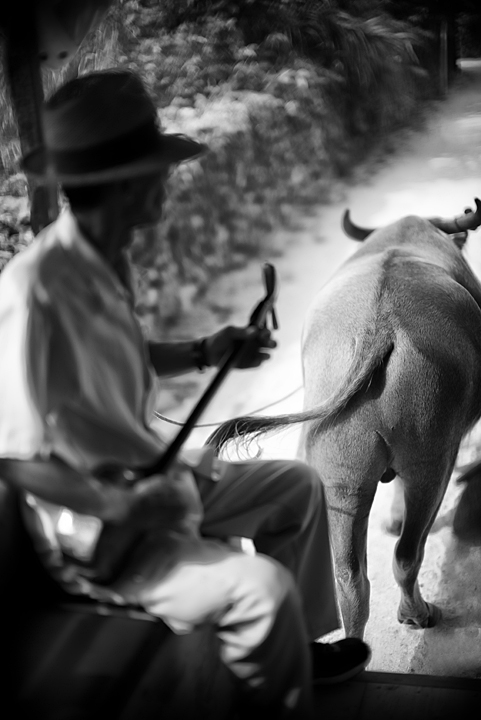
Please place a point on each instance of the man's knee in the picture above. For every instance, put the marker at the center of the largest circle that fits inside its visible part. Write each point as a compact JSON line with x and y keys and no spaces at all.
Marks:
{"x":307,"y":481}
{"x":267,"y":579}
{"x":265,"y":595}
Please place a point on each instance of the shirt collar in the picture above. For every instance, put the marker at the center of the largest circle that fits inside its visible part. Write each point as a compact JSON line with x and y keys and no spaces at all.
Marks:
{"x":72,"y":239}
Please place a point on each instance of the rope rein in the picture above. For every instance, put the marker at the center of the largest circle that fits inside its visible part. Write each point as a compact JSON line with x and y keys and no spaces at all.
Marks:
{"x":220,"y":422}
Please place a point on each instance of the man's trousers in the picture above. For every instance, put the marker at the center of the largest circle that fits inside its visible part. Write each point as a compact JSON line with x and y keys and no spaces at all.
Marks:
{"x":266,"y":606}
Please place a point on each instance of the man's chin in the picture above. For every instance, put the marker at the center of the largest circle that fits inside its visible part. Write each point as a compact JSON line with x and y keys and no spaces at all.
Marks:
{"x":145,"y":224}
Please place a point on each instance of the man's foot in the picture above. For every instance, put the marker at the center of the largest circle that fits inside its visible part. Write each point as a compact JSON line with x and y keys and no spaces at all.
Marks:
{"x":336,"y":662}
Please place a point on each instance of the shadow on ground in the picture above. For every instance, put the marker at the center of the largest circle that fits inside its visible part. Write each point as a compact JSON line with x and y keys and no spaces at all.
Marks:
{"x":453,"y":647}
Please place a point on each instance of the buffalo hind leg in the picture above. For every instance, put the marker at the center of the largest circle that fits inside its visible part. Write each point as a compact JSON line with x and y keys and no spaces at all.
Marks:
{"x":348,"y":523}
{"x":422,"y":501}
{"x":394,"y":523}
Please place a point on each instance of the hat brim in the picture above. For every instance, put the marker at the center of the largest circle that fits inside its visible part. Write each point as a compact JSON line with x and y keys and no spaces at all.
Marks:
{"x":175,"y":149}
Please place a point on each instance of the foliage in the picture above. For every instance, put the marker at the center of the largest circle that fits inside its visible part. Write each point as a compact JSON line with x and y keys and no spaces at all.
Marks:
{"x":288,"y":96}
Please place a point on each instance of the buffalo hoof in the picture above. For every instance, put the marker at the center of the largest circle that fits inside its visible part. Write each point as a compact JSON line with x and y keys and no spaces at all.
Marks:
{"x":430,"y":620}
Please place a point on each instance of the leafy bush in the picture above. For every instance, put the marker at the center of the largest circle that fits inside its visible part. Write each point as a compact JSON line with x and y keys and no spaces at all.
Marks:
{"x":288,"y":96}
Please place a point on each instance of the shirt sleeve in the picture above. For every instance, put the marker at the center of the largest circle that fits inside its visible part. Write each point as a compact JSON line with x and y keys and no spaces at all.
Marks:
{"x":25,"y":335}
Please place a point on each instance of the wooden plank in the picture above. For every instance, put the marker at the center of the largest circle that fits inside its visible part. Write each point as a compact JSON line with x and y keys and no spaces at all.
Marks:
{"x":398,"y":702}
{"x":341,"y":701}
{"x":435,"y":681}
{"x":391,"y":696}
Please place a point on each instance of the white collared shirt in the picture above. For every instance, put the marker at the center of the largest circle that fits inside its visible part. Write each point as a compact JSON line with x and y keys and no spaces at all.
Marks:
{"x":75,"y":380}
{"x":74,"y":376}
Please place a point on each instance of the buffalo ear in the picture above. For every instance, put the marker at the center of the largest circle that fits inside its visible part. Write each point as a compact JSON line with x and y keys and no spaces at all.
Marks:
{"x":459,"y":239}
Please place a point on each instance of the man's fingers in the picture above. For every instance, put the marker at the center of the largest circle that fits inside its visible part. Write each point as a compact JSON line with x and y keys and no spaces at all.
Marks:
{"x":260,"y":359}
{"x":251,"y":360}
{"x":263,"y":337}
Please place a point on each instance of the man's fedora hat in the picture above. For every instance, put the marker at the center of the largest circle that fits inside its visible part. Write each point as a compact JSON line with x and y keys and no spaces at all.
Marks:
{"x":103,"y":127}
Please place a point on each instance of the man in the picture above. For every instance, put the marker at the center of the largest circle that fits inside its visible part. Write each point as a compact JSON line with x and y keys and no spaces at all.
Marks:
{"x":77,"y":395}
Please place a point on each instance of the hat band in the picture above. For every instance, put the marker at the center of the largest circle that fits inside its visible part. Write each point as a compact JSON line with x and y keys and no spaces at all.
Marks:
{"x":124,"y":149}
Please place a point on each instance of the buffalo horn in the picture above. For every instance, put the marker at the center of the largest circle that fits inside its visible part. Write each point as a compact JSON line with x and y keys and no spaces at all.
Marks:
{"x":469,"y":221}
{"x":462,"y":223}
{"x":354,"y":231}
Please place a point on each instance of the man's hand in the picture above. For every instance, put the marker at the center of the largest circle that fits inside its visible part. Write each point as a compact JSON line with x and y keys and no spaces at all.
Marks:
{"x":166,"y":504}
{"x":167,"y":501}
{"x":224,"y":341}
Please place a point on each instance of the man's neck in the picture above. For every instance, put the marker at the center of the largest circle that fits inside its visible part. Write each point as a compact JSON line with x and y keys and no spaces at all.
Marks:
{"x":106,"y":235}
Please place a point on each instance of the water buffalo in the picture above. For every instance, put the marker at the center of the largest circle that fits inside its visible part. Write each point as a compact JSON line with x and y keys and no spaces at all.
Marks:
{"x":391,"y":355}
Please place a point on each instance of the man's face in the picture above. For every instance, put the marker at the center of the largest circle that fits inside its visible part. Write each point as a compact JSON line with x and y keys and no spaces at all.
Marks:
{"x":145,"y":198}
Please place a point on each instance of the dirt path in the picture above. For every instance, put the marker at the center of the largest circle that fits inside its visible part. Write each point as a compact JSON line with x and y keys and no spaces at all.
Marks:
{"x":436,"y":172}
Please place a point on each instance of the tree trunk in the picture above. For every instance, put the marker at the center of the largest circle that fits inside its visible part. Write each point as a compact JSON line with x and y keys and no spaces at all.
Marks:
{"x":24,"y":81}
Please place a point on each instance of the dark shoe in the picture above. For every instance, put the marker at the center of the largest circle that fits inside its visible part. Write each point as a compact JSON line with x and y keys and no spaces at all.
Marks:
{"x":336,"y":662}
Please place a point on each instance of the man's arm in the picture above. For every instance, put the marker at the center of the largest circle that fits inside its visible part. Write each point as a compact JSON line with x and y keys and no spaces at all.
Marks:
{"x":157,"y":501}
{"x":54,"y":481}
{"x":173,"y":358}
{"x":176,"y":358}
